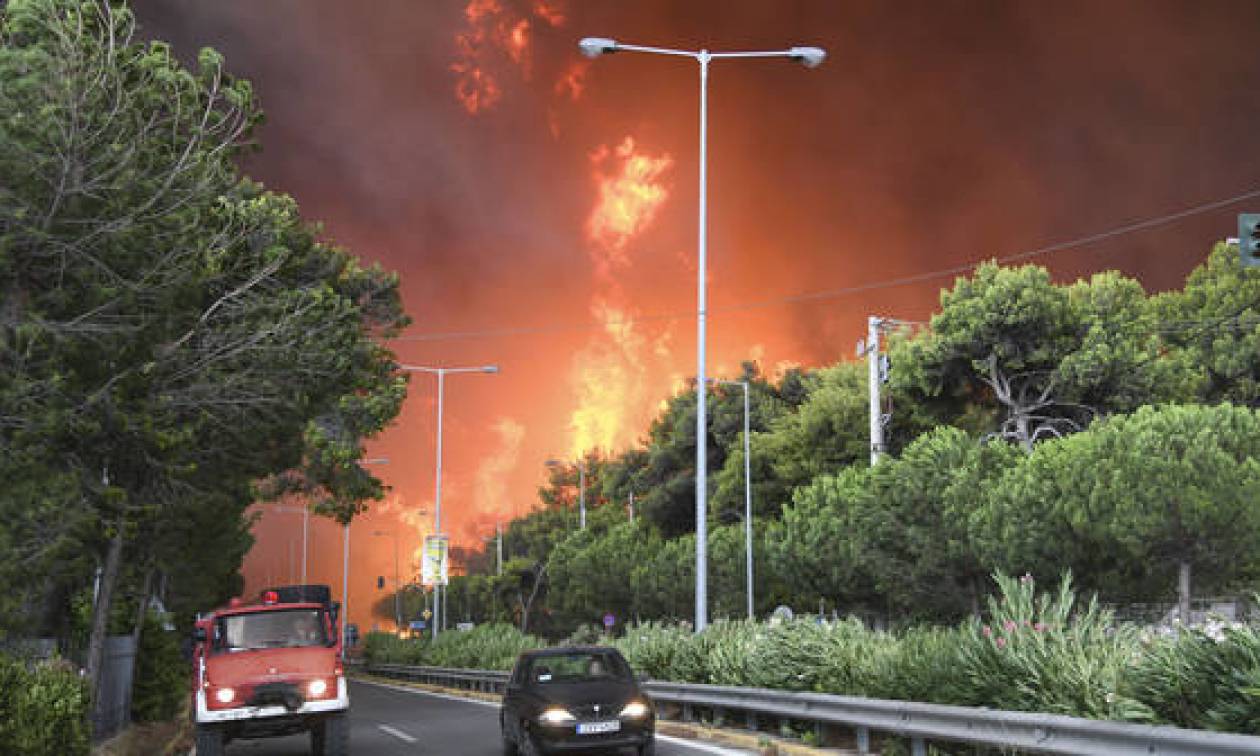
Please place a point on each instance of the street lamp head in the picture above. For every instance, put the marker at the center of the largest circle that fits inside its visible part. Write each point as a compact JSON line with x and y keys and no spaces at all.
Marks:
{"x":490,"y":369}
{"x":810,"y":57}
{"x":593,"y":47}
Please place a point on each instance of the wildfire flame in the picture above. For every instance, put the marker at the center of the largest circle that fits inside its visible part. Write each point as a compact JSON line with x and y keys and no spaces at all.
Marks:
{"x":492,"y":498}
{"x":611,"y":374}
{"x":492,"y":33}
{"x":628,"y":200}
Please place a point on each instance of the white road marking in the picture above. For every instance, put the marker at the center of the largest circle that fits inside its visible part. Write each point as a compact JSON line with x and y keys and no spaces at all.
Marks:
{"x":699,"y":746}
{"x":397,"y":733}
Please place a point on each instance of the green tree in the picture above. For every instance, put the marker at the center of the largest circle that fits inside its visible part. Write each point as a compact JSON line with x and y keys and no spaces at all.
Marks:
{"x":1050,"y":358}
{"x":169,"y":333}
{"x":1215,"y":322}
{"x":1142,"y":500}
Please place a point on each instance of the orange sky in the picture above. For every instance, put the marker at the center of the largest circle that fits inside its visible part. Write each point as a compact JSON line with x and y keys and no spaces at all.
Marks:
{"x":541,"y":207}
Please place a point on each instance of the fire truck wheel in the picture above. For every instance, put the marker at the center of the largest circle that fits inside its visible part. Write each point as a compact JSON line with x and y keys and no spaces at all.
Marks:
{"x":209,"y":741}
{"x":331,"y":737}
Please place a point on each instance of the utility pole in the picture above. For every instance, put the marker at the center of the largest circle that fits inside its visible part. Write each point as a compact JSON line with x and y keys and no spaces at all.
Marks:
{"x":498,"y":528}
{"x":873,"y":325}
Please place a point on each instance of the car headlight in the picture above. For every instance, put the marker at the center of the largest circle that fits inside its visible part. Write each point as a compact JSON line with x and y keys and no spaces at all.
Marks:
{"x":635,"y":710}
{"x":225,"y":695}
{"x":316,"y":689}
{"x":556,"y":716}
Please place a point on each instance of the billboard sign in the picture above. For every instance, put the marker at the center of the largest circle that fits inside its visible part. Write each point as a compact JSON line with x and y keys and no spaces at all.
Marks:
{"x":433,"y":562}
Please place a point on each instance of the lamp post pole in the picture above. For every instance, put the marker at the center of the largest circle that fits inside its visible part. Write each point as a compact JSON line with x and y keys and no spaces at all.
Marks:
{"x":441,"y":373}
{"x":811,"y":57}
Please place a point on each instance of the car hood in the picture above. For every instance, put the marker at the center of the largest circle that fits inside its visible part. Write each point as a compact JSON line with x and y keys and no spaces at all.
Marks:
{"x":271,"y":664}
{"x":578,"y":694}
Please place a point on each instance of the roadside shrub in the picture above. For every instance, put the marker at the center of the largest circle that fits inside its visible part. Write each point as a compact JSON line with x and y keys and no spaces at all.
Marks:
{"x":1044,"y":653}
{"x":489,"y":646}
{"x":651,"y":647}
{"x":161,"y":674}
{"x":43,"y":709}
{"x":1208,"y":681}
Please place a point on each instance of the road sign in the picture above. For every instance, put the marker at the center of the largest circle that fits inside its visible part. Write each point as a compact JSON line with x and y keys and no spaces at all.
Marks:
{"x":417,"y":624}
{"x":433,"y":567}
{"x":427,"y":614}
{"x":609,"y":620}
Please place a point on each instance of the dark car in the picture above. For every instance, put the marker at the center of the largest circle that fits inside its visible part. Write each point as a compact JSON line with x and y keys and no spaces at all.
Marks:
{"x":579,"y":698}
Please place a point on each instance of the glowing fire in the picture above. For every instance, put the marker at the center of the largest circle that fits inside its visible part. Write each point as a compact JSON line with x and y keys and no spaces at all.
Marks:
{"x":611,"y":374}
{"x":491,"y":34}
{"x":492,"y":499}
{"x":549,"y":12}
{"x":628,"y":201}
{"x":572,"y":82}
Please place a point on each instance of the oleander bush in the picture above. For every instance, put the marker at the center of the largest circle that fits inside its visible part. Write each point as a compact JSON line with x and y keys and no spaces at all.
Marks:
{"x":1204,"y":679}
{"x":43,"y":708}
{"x":490,"y":646}
{"x":1044,"y":652}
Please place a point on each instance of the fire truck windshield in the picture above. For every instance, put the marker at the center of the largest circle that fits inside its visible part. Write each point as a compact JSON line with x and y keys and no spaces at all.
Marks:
{"x":277,"y":628}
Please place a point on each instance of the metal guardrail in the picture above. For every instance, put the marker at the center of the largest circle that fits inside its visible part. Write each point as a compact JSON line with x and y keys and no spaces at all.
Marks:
{"x":921,"y":722}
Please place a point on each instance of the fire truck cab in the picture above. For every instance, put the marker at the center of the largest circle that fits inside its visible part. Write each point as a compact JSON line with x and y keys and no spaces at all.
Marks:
{"x":271,"y":668}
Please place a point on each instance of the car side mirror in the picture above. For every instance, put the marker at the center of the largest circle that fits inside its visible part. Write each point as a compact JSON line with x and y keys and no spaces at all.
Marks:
{"x":199,"y":635}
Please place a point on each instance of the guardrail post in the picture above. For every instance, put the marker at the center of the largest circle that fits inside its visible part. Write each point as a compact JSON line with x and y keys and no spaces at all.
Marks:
{"x":863,"y":737}
{"x":750,"y":719}
{"x":686,"y":712}
{"x":918,"y":747}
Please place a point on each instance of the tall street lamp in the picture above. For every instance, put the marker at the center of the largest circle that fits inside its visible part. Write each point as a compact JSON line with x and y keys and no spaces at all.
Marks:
{"x":810,"y":57}
{"x":581,"y":465}
{"x":441,"y":373}
{"x":748,"y":543}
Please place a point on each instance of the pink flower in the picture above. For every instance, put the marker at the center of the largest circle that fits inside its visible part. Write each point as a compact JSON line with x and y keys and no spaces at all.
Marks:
{"x":988,"y":632}
{"x":1001,"y":643}
{"x":1009,"y":625}
{"x":1039,"y":627}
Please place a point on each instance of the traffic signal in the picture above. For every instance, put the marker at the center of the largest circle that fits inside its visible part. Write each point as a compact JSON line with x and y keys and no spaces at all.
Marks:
{"x":1249,"y":238}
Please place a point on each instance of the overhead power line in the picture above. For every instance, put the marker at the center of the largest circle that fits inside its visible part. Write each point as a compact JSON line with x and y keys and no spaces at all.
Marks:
{"x":889,"y":283}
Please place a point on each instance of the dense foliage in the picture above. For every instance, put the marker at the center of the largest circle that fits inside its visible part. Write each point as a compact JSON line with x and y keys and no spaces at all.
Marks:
{"x":175,"y":340}
{"x":43,"y":708}
{"x":1031,"y":651}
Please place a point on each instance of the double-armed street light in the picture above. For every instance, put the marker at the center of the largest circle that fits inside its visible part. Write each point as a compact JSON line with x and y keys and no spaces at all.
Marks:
{"x":441,"y":373}
{"x":810,"y":57}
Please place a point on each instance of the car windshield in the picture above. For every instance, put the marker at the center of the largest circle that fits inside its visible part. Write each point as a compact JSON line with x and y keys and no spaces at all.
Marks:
{"x":577,"y":667}
{"x":271,"y":629}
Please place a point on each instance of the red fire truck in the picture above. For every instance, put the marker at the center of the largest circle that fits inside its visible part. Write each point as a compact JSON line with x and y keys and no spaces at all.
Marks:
{"x":271,"y":668}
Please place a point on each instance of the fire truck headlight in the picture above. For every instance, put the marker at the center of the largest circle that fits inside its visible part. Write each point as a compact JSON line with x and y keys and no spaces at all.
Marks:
{"x":225,"y":695}
{"x":316,"y":689}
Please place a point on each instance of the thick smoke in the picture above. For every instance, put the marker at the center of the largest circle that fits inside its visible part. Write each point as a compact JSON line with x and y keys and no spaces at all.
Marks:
{"x":936,"y":134}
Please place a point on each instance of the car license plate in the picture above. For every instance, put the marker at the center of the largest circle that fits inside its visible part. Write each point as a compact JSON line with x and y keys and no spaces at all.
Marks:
{"x":594,"y":728}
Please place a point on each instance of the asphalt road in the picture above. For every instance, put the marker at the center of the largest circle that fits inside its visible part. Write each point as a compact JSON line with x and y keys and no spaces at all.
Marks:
{"x":392,"y":721}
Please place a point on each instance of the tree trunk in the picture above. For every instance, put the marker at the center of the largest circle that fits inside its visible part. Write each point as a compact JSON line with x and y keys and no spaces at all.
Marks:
{"x":1183,"y":591}
{"x":101,"y":609}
